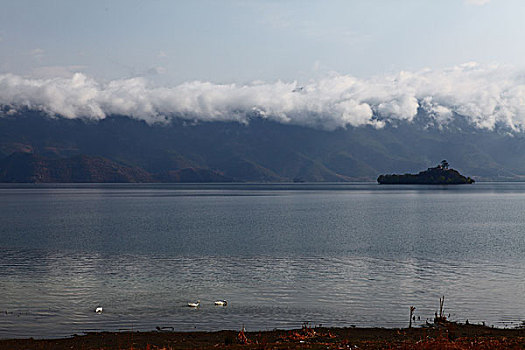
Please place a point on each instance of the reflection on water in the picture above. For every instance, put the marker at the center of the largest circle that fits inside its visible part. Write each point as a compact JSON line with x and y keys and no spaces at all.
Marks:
{"x":335,"y":255}
{"x":57,"y":293}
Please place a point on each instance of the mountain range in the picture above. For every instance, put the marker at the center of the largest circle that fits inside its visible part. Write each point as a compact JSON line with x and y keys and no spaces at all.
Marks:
{"x":35,"y":147}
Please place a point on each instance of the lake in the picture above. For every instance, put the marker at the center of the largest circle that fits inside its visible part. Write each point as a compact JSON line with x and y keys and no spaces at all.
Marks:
{"x":281,"y":254}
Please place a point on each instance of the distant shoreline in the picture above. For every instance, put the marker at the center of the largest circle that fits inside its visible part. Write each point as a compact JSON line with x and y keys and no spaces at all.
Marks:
{"x":448,"y":334}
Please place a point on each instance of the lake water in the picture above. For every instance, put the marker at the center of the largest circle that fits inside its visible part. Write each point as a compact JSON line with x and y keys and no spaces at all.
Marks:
{"x":281,"y":254}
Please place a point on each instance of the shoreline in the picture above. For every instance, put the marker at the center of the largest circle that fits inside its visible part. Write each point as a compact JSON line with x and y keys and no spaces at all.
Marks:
{"x":435,"y":336}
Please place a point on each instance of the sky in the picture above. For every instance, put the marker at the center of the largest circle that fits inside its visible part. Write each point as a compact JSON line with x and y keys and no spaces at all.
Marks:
{"x":239,"y":41}
{"x":323,"y":63}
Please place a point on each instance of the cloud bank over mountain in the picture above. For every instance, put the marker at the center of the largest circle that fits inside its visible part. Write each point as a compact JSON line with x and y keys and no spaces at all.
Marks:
{"x":487,"y":96}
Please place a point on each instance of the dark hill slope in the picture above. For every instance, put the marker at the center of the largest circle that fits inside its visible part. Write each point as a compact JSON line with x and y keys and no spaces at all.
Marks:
{"x":267,"y":151}
{"x":27,"y":167}
{"x":192,"y":175}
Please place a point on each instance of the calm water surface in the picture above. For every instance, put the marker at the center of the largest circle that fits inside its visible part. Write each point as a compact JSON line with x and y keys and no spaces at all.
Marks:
{"x":331,"y":254}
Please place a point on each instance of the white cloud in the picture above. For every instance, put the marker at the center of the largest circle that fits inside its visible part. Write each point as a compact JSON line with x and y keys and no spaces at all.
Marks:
{"x":314,"y":30}
{"x":477,"y":2}
{"x":37,"y":53}
{"x":56,"y":71}
{"x":156,"y":70}
{"x":486,"y":95}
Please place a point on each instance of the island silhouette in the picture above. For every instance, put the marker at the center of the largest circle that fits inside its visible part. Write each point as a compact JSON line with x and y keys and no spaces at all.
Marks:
{"x":439,"y":175}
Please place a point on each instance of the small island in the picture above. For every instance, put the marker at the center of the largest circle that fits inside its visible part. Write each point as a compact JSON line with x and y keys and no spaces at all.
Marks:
{"x":440,"y":175}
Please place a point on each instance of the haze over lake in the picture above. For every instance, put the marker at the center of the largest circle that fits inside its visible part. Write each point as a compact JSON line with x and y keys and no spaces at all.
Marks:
{"x":281,"y":254}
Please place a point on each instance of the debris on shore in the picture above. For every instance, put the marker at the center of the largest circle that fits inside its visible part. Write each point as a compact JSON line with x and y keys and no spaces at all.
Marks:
{"x":445,"y":335}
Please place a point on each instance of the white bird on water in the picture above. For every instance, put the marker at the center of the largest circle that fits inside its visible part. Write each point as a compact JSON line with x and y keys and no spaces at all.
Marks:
{"x":99,"y":310}
{"x":194,"y":304}
{"x":221,"y":302}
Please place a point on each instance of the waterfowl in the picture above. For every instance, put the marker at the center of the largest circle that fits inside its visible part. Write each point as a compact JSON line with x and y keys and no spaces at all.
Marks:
{"x":221,"y":302}
{"x":194,"y":304}
{"x":99,"y":310}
